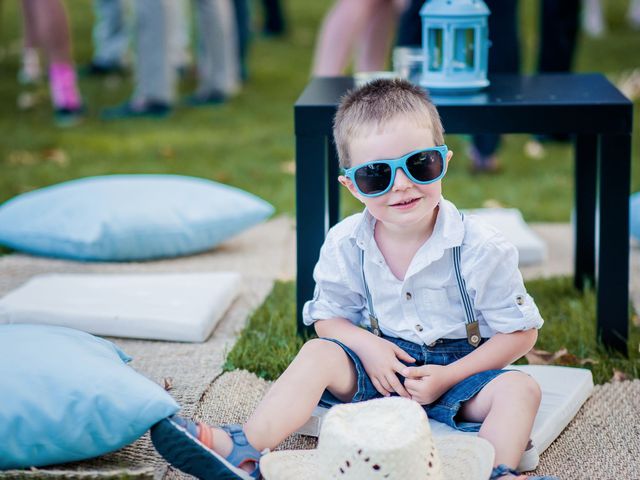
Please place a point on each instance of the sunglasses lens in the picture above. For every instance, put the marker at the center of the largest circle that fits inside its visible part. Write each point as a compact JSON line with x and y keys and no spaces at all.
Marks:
{"x":373,"y":178}
{"x":426,"y":166}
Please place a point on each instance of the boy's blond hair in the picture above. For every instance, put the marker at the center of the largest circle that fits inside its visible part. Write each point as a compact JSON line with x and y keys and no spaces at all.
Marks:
{"x":378,"y":102}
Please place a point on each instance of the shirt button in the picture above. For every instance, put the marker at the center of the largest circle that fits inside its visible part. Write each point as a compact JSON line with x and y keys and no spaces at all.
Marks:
{"x":520,"y":300}
{"x":408,"y":295}
{"x":419,"y":328}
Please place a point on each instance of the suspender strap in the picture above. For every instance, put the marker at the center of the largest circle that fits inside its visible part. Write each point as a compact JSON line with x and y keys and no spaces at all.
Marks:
{"x":375,"y":328}
{"x":473,"y":330}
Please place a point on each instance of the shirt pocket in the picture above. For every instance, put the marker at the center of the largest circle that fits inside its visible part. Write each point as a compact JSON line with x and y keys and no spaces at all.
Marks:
{"x":434,"y":298}
{"x":442,"y":306}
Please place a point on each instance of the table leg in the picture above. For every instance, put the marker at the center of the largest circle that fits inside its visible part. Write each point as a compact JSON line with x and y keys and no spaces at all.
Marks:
{"x":312,"y":220}
{"x":586,"y":155}
{"x":334,"y":185}
{"x":614,"y":167}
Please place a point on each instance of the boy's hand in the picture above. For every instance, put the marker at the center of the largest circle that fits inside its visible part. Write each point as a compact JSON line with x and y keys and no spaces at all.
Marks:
{"x":426,"y":383}
{"x":381,"y":361}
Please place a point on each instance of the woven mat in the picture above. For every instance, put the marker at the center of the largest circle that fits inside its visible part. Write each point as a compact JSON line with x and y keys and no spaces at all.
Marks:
{"x":602,"y":441}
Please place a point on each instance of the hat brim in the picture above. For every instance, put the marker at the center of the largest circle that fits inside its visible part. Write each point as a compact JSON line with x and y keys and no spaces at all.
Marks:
{"x":463,"y":457}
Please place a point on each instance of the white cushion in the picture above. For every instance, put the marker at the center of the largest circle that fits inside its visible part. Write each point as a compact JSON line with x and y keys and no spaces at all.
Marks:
{"x":174,"y":307}
{"x":564,"y":390}
{"x":509,"y":222}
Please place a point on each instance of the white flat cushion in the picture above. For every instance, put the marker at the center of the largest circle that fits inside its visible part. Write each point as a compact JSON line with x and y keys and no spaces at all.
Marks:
{"x":168,"y":306}
{"x":564,"y":390}
{"x":509,"y":222}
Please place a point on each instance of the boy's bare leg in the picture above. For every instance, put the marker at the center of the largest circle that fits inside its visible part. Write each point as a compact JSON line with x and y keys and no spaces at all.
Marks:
{"x":507,"y":407}
{"x":319,"y":365}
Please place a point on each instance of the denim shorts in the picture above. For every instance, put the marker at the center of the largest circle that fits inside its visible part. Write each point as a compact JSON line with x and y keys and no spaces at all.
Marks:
{"x":441,"y":352}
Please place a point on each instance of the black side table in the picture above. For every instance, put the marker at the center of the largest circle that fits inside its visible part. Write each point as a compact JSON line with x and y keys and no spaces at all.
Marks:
{"x":585,"y":105}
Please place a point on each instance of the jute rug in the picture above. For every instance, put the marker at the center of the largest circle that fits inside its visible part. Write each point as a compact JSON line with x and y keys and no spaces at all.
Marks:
{"x":602,"y":442}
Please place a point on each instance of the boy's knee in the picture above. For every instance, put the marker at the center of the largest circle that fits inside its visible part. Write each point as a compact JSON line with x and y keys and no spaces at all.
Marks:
{"x":322,"y":350}
{"x":519,"y":385}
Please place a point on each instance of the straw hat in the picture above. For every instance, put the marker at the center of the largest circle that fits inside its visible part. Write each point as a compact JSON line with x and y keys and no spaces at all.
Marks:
{"x":385,"y":438}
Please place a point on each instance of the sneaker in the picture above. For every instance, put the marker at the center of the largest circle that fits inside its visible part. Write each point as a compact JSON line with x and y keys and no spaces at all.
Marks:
{"x":68,"y":117}
{"x":137,"y":109}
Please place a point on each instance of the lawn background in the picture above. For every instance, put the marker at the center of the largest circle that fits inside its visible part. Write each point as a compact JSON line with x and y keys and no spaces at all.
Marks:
{"x":249,"y":143}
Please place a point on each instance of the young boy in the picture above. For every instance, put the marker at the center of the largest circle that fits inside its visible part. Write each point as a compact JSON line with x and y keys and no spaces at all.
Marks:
{"x":441,"y":296}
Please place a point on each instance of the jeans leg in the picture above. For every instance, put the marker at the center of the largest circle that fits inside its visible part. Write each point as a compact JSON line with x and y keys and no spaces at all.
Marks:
{"x":110,"y":36}
{"x":155,"y":78}
{"x":218,"y":68}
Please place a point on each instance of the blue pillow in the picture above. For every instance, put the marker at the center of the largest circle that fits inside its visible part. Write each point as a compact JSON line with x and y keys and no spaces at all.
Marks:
{"x":128,"y":217}
{"x":634,"y":215}
{"x":67,"y":395}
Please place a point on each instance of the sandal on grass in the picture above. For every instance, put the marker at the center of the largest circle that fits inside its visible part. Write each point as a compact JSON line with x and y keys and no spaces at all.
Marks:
{"x":502,"y":470}
{"x":177,"y":440}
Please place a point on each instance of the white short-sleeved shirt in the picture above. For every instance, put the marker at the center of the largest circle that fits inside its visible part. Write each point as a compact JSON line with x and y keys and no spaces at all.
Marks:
{"x":426,"y":305}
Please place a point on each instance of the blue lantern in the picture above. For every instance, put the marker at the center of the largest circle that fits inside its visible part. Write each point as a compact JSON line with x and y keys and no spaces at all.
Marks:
{"x":455,"y":43}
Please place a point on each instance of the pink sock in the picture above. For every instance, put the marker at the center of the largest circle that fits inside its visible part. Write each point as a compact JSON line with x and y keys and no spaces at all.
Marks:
{"x":64,"y":86}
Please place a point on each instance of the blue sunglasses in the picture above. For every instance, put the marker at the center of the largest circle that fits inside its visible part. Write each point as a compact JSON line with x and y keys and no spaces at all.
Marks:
{"x":376,"y":178}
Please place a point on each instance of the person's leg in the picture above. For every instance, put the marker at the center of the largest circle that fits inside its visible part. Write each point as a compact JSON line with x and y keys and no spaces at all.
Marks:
{"x":243,"y":32}
{"x":504,"y":57}
{"x":319,"y":365}
{"x":110,"y":35}
{"x":274,"y":18}
{"x":593,"y":22}
{"x":30,"y":71}
{"x":52,"y":31}
{"x":218,"y":66}
{"x":376,"y":38}
{"x":633,"y":14}
{"x":178,"y":32}
{"x":558,"y":34}
{"x":341,"y":29}
{"x":155,"y":79}
{"x":507,"y":407}
{"x":196,"y":448}
{"x":410,"y":26}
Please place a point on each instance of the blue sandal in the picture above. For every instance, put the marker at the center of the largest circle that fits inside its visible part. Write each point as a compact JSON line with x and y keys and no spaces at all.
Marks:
{"x":502,"y":470}
{"x":176,"y":439}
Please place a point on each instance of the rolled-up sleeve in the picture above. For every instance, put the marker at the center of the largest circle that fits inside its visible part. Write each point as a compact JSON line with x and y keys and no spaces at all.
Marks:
{"x":496,"y":283}
{"x":335,"y":294}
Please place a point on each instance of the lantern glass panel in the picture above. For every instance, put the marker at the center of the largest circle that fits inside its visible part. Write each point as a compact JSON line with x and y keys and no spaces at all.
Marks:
{"x":436,"y":47}
{"x":463,"y":50}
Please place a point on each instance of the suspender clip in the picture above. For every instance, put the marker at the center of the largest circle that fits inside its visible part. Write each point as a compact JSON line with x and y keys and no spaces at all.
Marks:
{"x":375,"y":328}
{"x":473,"y":334}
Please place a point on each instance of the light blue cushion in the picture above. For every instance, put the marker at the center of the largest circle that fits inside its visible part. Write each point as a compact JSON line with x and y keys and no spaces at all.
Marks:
{"x":66,"y":395}
{"x":634,"y":215}
{"x":128,"y":217}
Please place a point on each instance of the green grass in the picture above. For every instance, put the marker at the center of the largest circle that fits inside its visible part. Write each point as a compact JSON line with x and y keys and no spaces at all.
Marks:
{"x":269,"y":342}
{"x":248,"y":141}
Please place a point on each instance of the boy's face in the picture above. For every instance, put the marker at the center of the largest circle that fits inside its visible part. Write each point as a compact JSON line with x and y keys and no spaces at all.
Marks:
{"x":406,"y":204}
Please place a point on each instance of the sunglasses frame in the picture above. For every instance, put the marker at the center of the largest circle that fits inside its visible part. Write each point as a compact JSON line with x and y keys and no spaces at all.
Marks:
{"x":396,"y":163}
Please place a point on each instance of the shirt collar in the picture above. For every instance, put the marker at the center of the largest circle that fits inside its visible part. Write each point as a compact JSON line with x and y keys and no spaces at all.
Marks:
{"x":363,"y":233}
